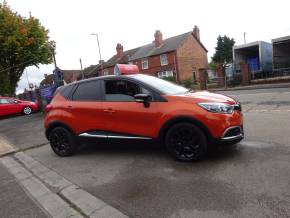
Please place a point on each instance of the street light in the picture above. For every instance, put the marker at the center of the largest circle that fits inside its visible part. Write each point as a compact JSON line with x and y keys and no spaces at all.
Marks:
{"x":96,"y":34}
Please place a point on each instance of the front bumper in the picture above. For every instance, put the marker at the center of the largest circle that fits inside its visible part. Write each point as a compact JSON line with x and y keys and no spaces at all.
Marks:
{"x":231,"y":135}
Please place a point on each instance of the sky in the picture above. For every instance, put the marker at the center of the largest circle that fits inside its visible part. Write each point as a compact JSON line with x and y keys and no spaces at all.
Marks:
{"x":133,"y":23}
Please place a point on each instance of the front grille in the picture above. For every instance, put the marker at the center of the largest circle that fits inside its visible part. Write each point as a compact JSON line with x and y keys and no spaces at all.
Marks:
{"x":233,"y":132}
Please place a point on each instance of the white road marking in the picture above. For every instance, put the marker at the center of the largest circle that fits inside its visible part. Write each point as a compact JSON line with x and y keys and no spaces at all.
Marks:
{"x":263,"y":93}
{"x":267,"y":110}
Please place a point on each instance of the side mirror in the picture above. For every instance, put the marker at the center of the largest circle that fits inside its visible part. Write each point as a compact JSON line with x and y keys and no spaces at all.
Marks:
{"x":16,"y":102}
{"x":143,"y":98}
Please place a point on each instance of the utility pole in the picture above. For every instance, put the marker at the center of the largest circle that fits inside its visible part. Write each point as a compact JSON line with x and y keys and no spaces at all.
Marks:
{"x":245,"y":37}
{"x":27,"y":78}
{"x":57,"y":73}
{"x":82,"y":68}
{"x":100,"y":56}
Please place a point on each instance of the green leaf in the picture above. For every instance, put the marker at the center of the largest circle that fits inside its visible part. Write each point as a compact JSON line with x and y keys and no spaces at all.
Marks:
{"x":24,"y":42}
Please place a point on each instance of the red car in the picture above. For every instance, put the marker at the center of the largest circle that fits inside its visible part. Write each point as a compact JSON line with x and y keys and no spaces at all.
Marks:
{"x":10,"y":106}
{"x":141,"y":107}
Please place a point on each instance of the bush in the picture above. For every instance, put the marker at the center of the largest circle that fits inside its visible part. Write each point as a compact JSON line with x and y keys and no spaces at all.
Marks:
{"x":188,"y":83}
{"x":170,"y":79}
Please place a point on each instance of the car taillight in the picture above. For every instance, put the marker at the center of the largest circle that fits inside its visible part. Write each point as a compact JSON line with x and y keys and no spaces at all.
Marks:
{"x":48,"y":108}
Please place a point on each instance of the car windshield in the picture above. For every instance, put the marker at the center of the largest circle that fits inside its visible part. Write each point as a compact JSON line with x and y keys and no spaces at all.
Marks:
{"x":164,"y":86}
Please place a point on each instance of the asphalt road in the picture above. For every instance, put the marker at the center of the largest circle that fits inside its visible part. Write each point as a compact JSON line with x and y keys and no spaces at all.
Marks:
{"x":23,"y":131}
{"x":251,"y":179}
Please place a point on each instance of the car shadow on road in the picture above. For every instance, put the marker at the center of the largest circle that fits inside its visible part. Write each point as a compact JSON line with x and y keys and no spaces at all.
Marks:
{"x":152,"y":149}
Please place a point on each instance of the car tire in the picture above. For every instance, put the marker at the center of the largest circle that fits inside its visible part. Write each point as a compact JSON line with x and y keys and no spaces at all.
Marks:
{"x":27,"y":110}
{"x":62,"y":141}
{"x":186,"y":142}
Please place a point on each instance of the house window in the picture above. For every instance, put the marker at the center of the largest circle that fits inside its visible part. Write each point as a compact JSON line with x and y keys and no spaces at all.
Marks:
{"x":163,"y":59}
{"x":145,"y":64}
{"x":163,"y":74}
{"x":194,"y":76}
{"x":106,"y":72}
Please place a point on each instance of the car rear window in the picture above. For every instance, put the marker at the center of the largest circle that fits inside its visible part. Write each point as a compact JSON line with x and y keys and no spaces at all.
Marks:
{"x":66,"y":91}
{"x":88,"y":91}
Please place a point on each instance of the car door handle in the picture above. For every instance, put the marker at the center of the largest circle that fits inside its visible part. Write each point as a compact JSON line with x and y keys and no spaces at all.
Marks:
{"x":109,"y":110}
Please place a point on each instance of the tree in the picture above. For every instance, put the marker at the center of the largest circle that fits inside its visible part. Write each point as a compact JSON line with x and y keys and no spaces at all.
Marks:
{"x":24,"y":42}
{"x":212,"y":65}
{"x":224,"y":50}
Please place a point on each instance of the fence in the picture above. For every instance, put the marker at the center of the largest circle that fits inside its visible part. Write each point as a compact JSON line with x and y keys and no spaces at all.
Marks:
{"x":241,"y":74}
{"x":42,"y":95}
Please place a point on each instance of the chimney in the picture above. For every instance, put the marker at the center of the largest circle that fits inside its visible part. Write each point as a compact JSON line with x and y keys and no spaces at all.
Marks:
{"x":195,"y":32}
{"x":158,"y":38}
{"x":120,"y":51}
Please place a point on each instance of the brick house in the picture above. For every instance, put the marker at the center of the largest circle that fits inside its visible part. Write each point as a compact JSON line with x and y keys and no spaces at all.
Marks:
{"x":69,"y":76}
{"x":179,"y":56}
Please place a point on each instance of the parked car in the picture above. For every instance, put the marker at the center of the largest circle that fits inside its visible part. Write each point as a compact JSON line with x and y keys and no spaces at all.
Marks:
{"x":142,"y":107}
{"x":10,"y":106}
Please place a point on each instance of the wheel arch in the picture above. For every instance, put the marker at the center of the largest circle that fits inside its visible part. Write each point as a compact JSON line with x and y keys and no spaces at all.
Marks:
{"x":183,"y":119}
{"x":55,"y":124}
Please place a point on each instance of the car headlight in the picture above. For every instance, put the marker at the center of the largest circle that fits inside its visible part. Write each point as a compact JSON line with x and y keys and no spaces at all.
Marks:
{"x":217,"y":107}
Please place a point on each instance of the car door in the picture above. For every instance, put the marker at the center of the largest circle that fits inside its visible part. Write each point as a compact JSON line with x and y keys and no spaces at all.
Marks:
{"x":15,"y":106}
{"x":124,"y":115}
{"x":8,"y":106}
{"x":85,"y":107}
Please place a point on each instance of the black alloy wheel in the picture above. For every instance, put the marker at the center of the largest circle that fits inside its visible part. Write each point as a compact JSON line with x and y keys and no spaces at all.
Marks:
{"x":62,"y":142}
{"x":186,"y":142}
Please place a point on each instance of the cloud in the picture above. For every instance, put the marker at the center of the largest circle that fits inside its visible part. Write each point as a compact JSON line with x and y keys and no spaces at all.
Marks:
{"x":33,"y":75}
{"x":133,"y":24}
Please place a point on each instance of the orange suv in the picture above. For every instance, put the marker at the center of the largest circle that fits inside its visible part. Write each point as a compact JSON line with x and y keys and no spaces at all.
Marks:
{"x":142,"y":107}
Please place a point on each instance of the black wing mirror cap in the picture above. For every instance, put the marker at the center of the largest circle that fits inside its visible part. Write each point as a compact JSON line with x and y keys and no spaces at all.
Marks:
{"x":143,"y":98}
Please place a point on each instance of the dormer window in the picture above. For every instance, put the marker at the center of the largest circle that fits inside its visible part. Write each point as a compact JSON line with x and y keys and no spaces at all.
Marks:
{"x":145,"y":64}
{"x":163,"y":59}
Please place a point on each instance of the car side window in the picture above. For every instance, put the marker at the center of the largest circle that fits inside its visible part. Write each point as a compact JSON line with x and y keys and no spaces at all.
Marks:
{"x":4,"y":101}
{"x":87,"y":91}
{"x":11,"y":101}
{"x":122,"y":90}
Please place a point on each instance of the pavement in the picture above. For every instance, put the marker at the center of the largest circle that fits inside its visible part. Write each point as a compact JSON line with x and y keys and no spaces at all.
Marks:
{"x":250,"y":179}
{"x":54,"y":194}
{"x":14,"y":202}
